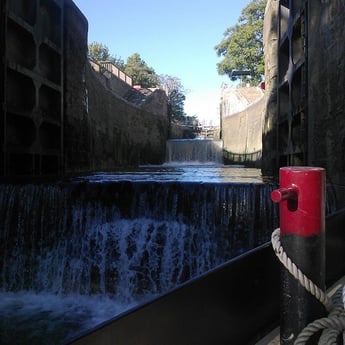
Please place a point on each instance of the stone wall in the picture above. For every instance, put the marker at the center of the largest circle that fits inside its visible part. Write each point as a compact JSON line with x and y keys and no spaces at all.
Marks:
{"x":102,"y":130}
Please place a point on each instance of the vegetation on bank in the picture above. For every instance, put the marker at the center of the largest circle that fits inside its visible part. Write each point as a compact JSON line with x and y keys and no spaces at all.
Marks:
{"x":146,"y":77}
{"x":241,"y":49}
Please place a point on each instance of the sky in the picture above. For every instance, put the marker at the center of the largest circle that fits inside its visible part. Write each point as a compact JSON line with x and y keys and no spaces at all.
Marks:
{"x":175,"y":38}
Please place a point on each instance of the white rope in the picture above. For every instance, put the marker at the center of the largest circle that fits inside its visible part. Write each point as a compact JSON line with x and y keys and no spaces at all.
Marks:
{"x":332,"y":325}
{"x":335,"y":325}
{"x":297,"y":273}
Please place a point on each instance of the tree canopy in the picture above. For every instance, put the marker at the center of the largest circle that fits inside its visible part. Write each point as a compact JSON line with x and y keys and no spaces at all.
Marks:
{"x":176,"y":96}
{"x":141,"y":73}
{"x":100,"y":52}
{"x":242,"y":45}
{"x":135,"y":66}
{"x":146,"y":76}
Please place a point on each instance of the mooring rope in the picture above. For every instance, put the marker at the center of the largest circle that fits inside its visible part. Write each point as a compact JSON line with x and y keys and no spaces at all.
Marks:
{"x":332,"y":325}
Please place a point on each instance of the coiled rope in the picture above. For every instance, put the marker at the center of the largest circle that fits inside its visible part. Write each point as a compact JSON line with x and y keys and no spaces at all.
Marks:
{"x":332,"y":325}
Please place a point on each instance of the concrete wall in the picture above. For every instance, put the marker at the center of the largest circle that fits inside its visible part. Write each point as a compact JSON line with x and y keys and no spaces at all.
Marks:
{"x":103,"y":130}
{"x":269,"y":132}
{"x":242,"y":131}
{"x":326,"y":79}
{"x":31,"y":92}
{"x":2,"y":84}
{"x":58,"y":114}
{"x":77,"y":134}
{"x":109,"y":80}
{"x":305,"y":116}
{"x":121,"y":133}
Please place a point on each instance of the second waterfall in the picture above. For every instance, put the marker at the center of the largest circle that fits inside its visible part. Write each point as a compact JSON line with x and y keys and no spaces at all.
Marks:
{"x":194,"y":151}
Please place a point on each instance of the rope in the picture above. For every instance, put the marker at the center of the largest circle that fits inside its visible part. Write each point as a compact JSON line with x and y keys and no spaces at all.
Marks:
{"x":332,"y":325}
{"x":335,"y":325}
{"x":297,"y":273}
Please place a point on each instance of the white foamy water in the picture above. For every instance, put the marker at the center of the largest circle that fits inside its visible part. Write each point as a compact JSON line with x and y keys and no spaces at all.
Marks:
{"x":75,"y":254}
{"x":194,"y":151}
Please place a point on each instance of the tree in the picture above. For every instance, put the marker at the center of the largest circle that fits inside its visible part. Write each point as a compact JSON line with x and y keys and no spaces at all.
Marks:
{"x":100,"y":52}
{"x":176,"y":96}
{"x":141,"y":73}
{"x":242,"y":45}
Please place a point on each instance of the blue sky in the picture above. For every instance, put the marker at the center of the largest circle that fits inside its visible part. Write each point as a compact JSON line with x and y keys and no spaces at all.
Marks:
{"x":175,"y":38}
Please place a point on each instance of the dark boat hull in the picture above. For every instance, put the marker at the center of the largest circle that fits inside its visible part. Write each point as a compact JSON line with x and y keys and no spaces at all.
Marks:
{"x":236,"y":303}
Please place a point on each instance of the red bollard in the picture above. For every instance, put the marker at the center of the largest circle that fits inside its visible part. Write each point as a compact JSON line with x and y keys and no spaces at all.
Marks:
{"x":302,"y":234}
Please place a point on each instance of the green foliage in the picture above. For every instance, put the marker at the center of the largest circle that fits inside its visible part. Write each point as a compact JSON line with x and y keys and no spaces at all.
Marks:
{"x":242,"y":45}
{"x":176,"y":96}
{"x":146,"y":76}
{"x":192,"y":120}
{"x":100,"y":52}
{"x":177,"y":99}
{"x":141,"y":73}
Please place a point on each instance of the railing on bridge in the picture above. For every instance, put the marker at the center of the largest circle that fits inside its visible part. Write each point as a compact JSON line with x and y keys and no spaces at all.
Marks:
{"x":108,"y":69}
{"x":208,"y":132}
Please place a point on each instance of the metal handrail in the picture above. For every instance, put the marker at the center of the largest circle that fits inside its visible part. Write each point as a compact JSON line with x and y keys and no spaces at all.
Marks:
{"x":115,"y":71}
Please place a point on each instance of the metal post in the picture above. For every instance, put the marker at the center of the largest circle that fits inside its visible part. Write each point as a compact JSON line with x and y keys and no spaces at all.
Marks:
{"x":302,"y":229}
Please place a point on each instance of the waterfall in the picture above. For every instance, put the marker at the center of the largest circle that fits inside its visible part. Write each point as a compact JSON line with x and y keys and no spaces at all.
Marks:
{"x":95,"y":248}
{"x":194,"y":151}
{"x":125,"y":239}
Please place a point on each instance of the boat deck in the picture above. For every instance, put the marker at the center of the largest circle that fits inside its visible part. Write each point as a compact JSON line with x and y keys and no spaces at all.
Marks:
{"x":273,"y":337}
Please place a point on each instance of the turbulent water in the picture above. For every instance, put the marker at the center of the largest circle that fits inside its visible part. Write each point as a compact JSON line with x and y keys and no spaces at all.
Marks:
{"x":76,"y":253}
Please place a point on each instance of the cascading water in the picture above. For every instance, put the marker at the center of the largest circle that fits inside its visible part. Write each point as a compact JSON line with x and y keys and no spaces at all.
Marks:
{"x":73,"y":254}
{"x":194,"y":151}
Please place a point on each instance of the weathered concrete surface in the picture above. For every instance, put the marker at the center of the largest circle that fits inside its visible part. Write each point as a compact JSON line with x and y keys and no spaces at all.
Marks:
{"x":57,"y":114}
{"x":326,"y":79}
{"x":122,"y":133}
{"x":324,"y":104}
{"x":77,"y":135}
{"x":102,"y":130}
{"x":110,"y":81}
{"x":269,"y":133}
{"x":235,"y":100}
{"x":31,"y":87}
{"x":241,"y":131}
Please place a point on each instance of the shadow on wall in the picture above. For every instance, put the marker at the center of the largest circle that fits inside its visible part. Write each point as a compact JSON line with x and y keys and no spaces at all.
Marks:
{"x":102,"y":129}
{"x":252,"y":160}
{"x":242,"y":131}
{"x":269,"y":164}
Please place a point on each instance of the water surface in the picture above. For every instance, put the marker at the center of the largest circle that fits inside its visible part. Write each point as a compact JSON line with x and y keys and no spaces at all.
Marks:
{"x":187,"y":172}
{"x":77,"y":253}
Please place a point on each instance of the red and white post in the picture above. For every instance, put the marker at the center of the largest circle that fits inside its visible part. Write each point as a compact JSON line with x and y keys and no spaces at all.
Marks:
{"x":301,"y":198}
